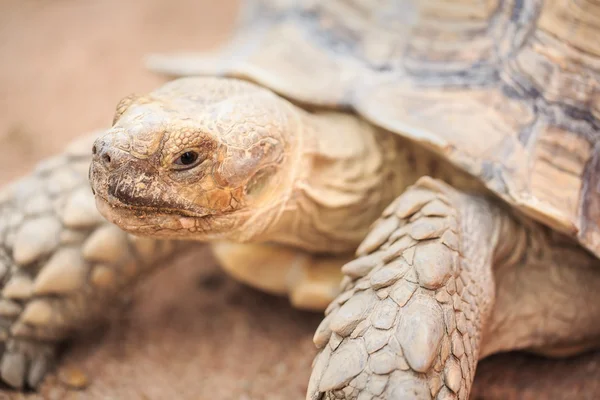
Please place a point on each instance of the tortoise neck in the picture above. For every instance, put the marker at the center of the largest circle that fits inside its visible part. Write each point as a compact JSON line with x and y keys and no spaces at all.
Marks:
{"x":345,"y":177}
{"x":346,"y":173}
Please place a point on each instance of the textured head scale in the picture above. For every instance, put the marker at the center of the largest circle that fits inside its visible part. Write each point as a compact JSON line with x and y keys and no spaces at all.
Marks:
{"x":193,"y":156}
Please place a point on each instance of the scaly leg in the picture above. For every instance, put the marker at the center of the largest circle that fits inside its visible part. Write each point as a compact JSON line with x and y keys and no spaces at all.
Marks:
{"x":442,"y":280}
{"x":310,"y":281}
{"x":408,"y":324}
{"x":61,"y":263}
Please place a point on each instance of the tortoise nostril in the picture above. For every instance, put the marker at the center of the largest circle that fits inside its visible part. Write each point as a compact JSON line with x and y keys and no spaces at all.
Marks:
{"x":94,"y":150}
{"x":106,"y":158}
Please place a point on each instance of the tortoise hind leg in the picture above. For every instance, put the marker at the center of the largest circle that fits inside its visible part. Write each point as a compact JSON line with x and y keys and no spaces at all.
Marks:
{"x":408,"y":324}
{"x":310,"y":281}
{"x":547,"y":298}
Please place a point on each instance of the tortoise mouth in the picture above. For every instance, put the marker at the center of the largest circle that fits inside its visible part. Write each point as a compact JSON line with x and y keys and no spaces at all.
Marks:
{"x":112,"y":203}
{"x":154,"y":222}
{"x":161,"y":219}
{"x":132,"y":212}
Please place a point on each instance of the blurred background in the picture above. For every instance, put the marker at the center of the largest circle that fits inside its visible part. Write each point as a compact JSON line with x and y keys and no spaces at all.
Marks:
{"x":65,"y":64}
{"x":190,"y":332}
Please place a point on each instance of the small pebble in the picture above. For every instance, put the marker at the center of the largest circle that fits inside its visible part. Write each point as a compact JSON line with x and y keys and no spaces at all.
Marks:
{"x":73,"y":378}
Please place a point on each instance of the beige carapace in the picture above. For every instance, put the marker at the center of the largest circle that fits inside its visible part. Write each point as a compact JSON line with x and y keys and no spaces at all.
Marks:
{"x":426,"y":172}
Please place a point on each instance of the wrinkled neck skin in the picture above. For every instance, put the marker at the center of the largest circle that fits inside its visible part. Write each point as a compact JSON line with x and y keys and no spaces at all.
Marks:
{"x":345,"y":174}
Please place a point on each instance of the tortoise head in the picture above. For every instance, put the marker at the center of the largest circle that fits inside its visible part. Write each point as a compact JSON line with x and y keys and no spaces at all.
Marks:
{"x":201,"y":158}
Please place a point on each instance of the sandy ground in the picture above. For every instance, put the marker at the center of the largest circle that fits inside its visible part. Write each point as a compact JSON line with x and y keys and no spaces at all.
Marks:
{"x":190,"y":332}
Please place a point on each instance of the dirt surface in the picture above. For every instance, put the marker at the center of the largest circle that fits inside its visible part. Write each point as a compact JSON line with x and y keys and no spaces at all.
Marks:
{"x":190,"y":332}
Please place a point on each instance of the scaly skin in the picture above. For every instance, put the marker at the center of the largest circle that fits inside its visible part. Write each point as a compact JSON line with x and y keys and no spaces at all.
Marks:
{"x":409,"y":322}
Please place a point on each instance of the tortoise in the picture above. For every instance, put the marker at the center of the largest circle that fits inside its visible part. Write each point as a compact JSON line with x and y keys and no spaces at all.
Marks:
{"x":426,"y":172}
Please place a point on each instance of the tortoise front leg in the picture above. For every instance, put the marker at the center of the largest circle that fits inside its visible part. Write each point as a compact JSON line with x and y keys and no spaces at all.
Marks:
{"x":61,"y":264}
{"x":445,"y":279}
{"x":410,"y":319}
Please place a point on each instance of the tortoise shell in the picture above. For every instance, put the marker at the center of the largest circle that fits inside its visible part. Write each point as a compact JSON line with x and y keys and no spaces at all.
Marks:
{"x":509,"y":90}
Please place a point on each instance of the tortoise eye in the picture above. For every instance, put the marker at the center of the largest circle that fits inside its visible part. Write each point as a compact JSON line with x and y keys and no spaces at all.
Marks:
{"x":188,"y":159}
